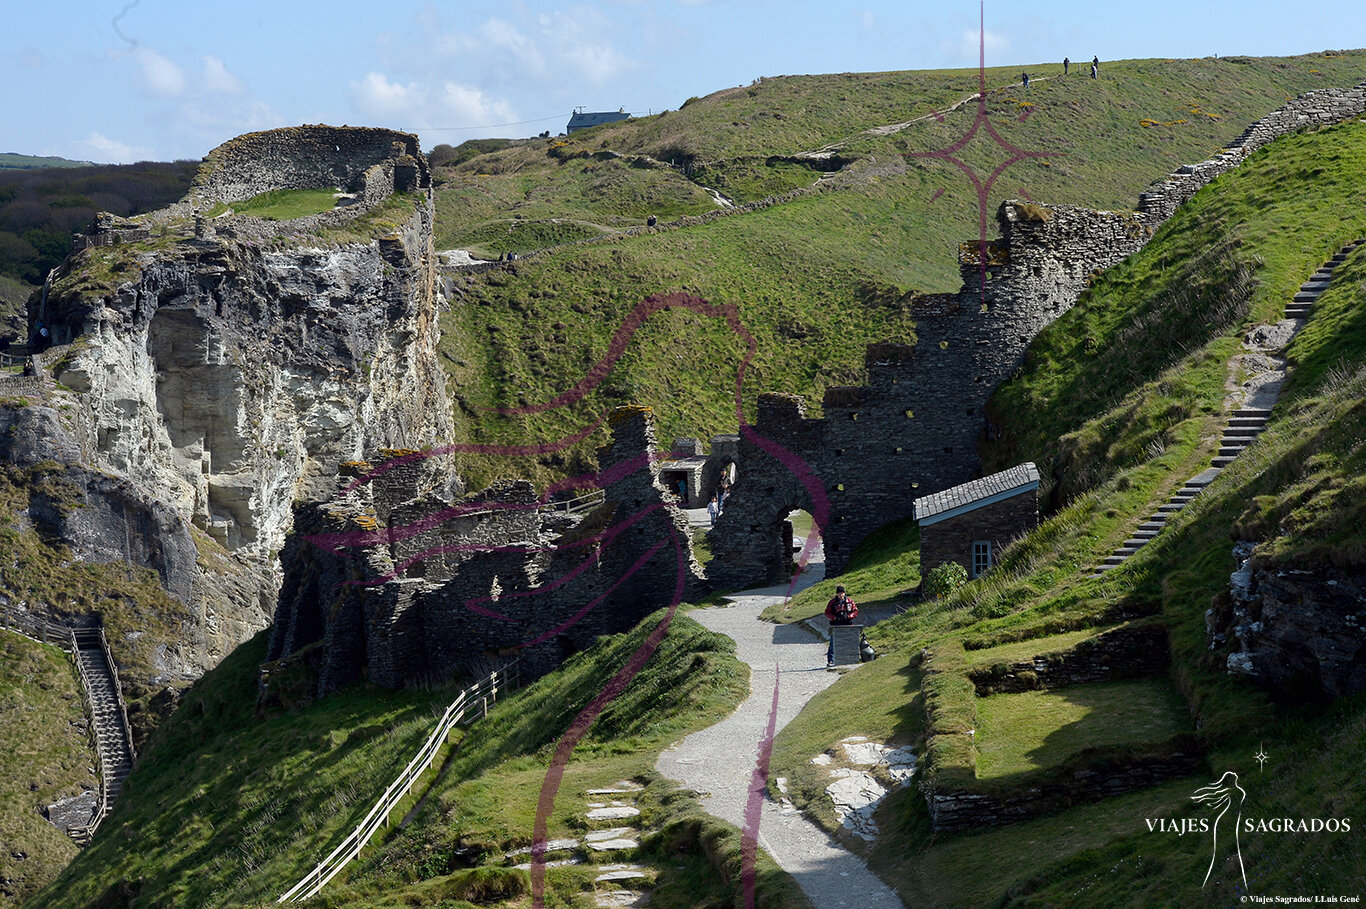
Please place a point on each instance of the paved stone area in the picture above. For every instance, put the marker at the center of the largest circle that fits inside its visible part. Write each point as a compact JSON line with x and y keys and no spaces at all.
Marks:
{"x":719,"y":761}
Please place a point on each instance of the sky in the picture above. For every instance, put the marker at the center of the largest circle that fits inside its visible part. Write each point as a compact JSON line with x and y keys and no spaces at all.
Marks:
{"x":131,"y":80}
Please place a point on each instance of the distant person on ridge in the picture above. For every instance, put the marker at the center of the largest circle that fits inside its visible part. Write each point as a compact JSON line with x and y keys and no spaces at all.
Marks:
{"x":1094,"y":70}
{"x":1065,"y":63}
{"x":1024,"y":77}
{"x":1095,"y":63}
{"x":841,"y":610}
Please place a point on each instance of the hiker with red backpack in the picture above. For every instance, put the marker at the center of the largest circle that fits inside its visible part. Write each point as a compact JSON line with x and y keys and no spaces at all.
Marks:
{"x":841,"y":610}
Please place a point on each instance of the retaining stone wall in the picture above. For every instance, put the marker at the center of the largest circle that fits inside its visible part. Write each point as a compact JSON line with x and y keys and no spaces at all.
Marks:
{"x":1124,"y":653}
{"x":963,"y":810}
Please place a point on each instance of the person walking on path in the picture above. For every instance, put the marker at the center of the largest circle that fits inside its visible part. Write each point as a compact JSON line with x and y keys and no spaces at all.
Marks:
{"x":1024,"y":77}
{"x":1095,"y":64}
{"x":1066,"y":62}
{"x":713,"y":508}
{"x":1094,"y":70}
{"x":841,"y":610}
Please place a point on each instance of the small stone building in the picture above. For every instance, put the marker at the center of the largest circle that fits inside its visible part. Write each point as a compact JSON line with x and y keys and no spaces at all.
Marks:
{"x":969,"y":523}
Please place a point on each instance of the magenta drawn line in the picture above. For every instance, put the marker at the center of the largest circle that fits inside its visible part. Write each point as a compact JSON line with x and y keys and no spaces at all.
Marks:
{"x":550,"y":785}
{"x":754,"y":807}
{"x":981,"y":122}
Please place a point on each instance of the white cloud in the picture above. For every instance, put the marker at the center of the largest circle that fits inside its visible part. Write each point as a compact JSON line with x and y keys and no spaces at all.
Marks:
{"x":466,"y":105}
{"x":218,"y":79}
{"x":972,"y":43}
{"x":415,"y":104}
{"x":375,"y":96}
{"x":159,"y":76}
{"x":867,"y":18}
{"x":100,"y":148}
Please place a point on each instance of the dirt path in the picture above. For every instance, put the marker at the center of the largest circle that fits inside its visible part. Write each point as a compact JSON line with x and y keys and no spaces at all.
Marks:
{"x":719,"y":761}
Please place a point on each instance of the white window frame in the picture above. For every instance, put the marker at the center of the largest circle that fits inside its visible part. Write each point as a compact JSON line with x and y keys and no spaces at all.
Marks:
{"x":981,"y":557}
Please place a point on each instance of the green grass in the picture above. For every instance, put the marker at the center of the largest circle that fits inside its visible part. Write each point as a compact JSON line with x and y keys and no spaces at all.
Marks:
{"x":288,"y":204}
{"x":229,"y":809}
{"x":1033,"y":730}
{"x":884,"y":570}
{"x":225,"y":807}
{"x":140,"y":618}
{"x":44,"y":755}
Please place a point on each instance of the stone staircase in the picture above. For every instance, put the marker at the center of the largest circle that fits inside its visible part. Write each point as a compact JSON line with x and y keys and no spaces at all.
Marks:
{"x":113,"y":738}
{"x":1244,"y":425}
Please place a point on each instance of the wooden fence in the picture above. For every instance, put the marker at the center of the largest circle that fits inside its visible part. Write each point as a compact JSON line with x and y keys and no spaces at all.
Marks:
{"x":472,"y":703}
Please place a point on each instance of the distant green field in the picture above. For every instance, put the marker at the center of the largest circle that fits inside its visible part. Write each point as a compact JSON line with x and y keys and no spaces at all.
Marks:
{"x":14,"y":161}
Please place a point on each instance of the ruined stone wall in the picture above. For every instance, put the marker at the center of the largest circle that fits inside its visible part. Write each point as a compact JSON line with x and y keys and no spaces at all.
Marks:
{"x":370,"y":162}
{"x":511,"y":589}
{"x":913,"y":428}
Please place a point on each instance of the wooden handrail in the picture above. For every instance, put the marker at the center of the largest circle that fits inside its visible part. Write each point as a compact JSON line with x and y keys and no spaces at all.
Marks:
{"x":485,"y":690}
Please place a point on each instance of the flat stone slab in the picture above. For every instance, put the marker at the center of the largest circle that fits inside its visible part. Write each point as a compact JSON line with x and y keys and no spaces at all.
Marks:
{"x":612,"y":845}
{"x":608,"y":840}
{"x":612,"y":813}
{"x":620,"y":873}
{"x":550,"y":846}
{"x":624,"y":788}
{"x":621,"y":899}
{"x":558,"y":863}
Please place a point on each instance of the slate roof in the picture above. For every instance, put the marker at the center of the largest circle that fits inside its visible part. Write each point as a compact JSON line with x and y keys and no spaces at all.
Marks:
{"x":583,"y":121}
{"x":972,"y":495}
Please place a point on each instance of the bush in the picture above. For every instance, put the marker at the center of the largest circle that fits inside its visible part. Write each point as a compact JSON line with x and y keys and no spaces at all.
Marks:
{"x":945,"y":579}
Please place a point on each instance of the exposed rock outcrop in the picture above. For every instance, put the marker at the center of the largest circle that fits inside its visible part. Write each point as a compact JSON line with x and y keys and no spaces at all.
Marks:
{"x":213,"y":372}
{"x":1293,"y":626}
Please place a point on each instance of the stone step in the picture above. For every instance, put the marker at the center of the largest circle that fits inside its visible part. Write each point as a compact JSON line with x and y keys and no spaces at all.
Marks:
{"x":1262,"y":412}
{"x":1144,"y":534}
{"x":1153,"y":527}
{"x":1133,"y":544}
{"x":1302,"y":297}
{"x":1312,"y":285}
{"x":1230,"y":451}
{"x":1113,"y":560}
{"x":1298,"y":310}
{"x":1222,"y":462}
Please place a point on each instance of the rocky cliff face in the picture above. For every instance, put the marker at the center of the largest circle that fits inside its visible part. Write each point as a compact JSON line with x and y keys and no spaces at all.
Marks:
{"x":216,"y":371}
{"x":1294,"y":626}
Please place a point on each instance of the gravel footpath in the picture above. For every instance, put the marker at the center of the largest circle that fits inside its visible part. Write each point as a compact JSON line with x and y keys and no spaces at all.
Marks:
{"x":719,"y":761}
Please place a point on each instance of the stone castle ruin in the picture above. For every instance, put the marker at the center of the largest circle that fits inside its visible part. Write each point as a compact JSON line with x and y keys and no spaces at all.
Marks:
{"x":399,"y":578}
{"x":912,"y":429}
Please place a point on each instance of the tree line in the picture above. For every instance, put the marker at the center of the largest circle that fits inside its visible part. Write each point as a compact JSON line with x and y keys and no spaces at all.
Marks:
{"x":40,"y":209}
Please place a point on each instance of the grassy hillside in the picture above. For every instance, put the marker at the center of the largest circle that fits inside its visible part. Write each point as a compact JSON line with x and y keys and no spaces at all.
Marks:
{"x":229,"y":809}
{"x":44,"y":755}
{"x":814,"y":278}
{"x":1120,"y":399}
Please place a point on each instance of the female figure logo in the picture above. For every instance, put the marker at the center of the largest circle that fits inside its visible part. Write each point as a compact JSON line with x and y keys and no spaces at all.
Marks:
{"x":1220,"y":796}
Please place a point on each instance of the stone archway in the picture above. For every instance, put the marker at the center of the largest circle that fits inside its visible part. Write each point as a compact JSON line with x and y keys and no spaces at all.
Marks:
{"x":752,"y":539}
